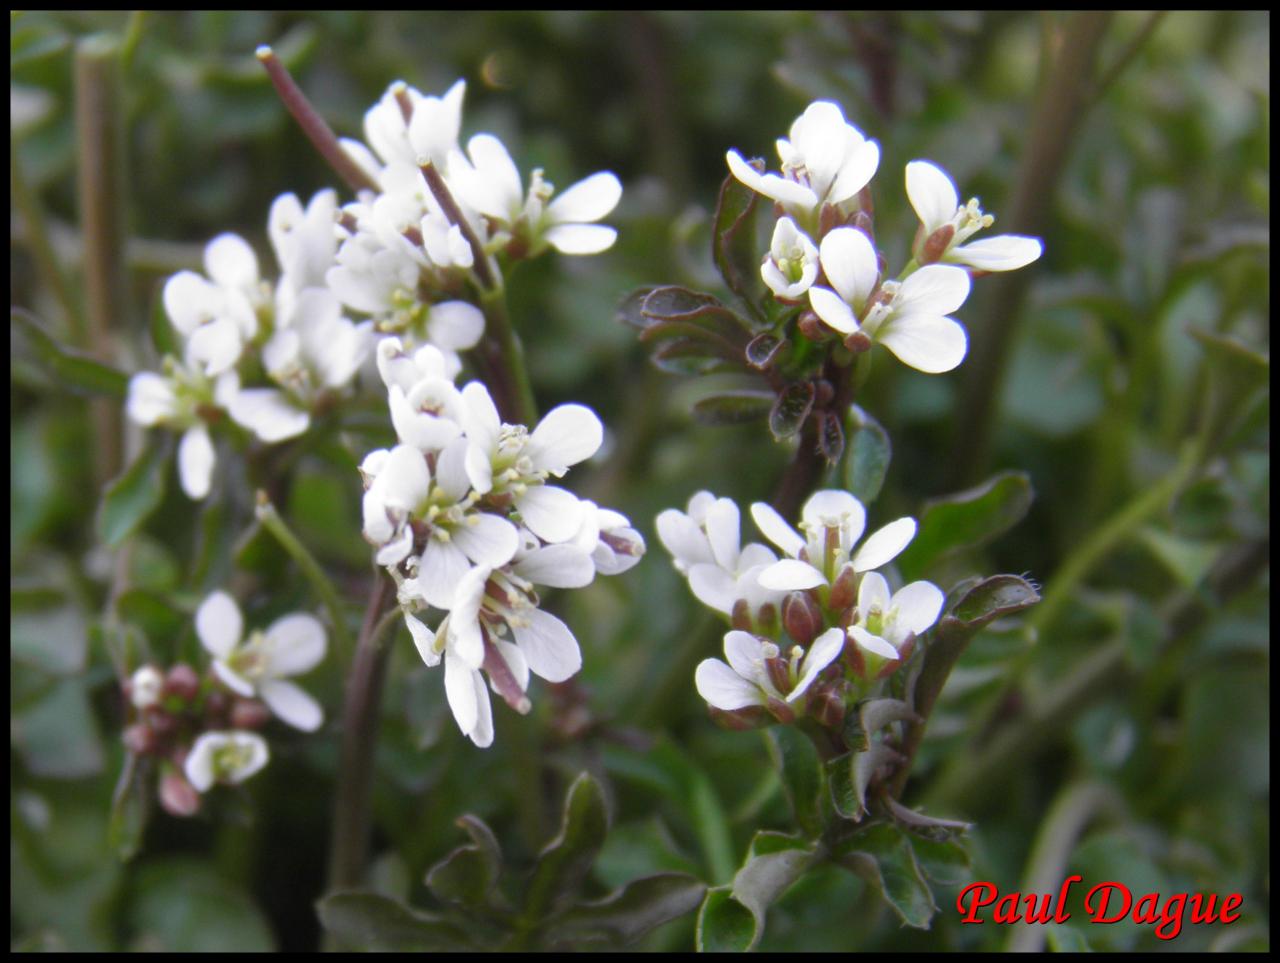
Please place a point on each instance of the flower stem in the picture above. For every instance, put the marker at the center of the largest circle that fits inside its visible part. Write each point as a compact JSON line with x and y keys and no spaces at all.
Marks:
{"x":313,"y":125}
{"x":349,"y":845}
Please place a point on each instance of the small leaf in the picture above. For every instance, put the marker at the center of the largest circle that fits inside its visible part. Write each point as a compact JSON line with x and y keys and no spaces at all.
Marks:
{"x":867,"y":454}
{"x":632,"y":911}
{"x":1188,"y":560}
{"x":733,"y":407}
{"x":130,"y":807}
{"x":875,"y":714}
{"x":966,"y":519}
{"x":802,"y":775}
{"x":929,"y":827}
{"x":882,"y":855}
{"x":773,"y":865}
{"x":675,"y":303}
{"x":733,"y":241}
{"x":764,"y":350}
{"x":944,"y":861}
{"x":830,"y":437}
{"x":866,"y":765}
{"x":567,"y":859}
{"x":994,"y":598}
{"x":724,"y":924}
{"x":791,"y":409}
{"x":65,"y":366}
{"x":134,"y":495}
{"x":368,"y":921}
{"x":469,"y":873}
{"x":844,"y":794}
{"x":629,"y":311}
{"x":687,"y":357}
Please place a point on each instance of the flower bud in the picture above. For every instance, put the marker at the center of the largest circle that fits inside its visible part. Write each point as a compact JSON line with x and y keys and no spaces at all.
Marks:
{"x":161,"y":722}
{"x":811,"y":326}
{"x":781,"y":711}
{"x":801,"y":617}
{"x":741,"y":617}
{"x":779,"y":673}
{"x":827,"y":704}
{"x":216,"y":705}
{"x":936,"y":244}
{"x":858,"y":342}
{"x":767,"y":619}
{"x":182,"y":682}
{"x":177,"y":796}
{"x":248,"y":714}
{"x":140,"y":739}
{"x":740,"y":720}
{"x":862,"y":221}
{"x":844,"y":590}
{"x":144,"y":686}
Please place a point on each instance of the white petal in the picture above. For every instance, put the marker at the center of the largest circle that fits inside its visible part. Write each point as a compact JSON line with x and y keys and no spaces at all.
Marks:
{"x":821,"y":654}
{"x":451,"y":470}
{"x":723,"y":533}
{"x":723,"y":688}
{"x":1004,"y":252}
{"x":378,"y":528}
{"x":932,"y":194}
{"x":189,"y":301}
{"x":745,"y":653}
{"x":291,"y":704}
{"x":791,"y":575}
{"x":298,"y":644}
{"x":499,"y":174}
{"x":151,"y":398}
{"x":515,"y":660}
{"x":198,"y":766}
{"x":882,"y":546}
{"x":404,"y":481}
{"x":479,"y":416}
{"x":394,"y":552}
{"x":832,"y":309}
{"x":256,"y":758}
{"x":424,"y":639}
{"x":755,"y":555}
{"x":482,"y":733}
{"x":831,"y":506}
{"x":775,"y":529}
{"x":581,"y":238}
{"x":713,"y":587}
{"x":233,"y":680}
{"x":926,"y":342}
{"x":567,"y":435}
{"x":918,"y":605}
{"x":463,"y":637}
{"x":196,"y":459}
{"x":440,"y":572}
{"x":850,"y":263}
{"x":230,"y":261}
{"x":681,"y":536}
{"x":487,"y":539}
{"x":549,"y":647}
{"x":269,"y":414}
{"x":219,"y":624}
{"x":215,"y":347}
{"x":586,"y":201}
{"x":557,"y":566}
{"x":873,"y":593}
{"x":872,"y":643}
{"x":460,"y":690}
{"x":455,"y":325}
{"x":934,"y":289}
{"x":479,"y":468}
{"x":856,"y":172}
{"x":551,"y":513}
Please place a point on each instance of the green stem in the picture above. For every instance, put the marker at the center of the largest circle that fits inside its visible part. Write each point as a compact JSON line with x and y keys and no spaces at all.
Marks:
{"x":270,"y":520}
{"x":1071,"y":813}
{"x":36,"y":236}
{"x":349,"y":844}
{"x":506,"y":356}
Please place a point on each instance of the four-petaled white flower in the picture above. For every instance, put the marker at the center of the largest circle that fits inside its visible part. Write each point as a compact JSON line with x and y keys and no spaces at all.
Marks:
{"x":224,"y":757}
{"x":758,"y":672}
{"x":885,"y":623}
{"x":833,"y":522}
{"x":791,"y":266}
{"x":826,"y":161}
{"x":218,"y":315}
{"x":908,"y":317}
{"x":945,"y":226}
{"x":259,"y":664}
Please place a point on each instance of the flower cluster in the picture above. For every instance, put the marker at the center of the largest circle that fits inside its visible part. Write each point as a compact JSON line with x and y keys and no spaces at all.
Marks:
{"x":823,"y":248}
{"x":464,"y":515}
{"x":202,"y":727}
{"x":843,"y":627}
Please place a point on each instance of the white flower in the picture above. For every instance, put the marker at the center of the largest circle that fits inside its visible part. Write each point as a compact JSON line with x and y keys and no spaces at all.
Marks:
{"x":510,"y":459}
{"x":217,"y":316}
{"x":614,"y":546}
{"x":405,"y":125}
{"x":826,"y":161}
{"x":833,"y":522}
{"x":305,"y":241}
{"x":757,"y":672}
{"x":224,"y":757}
{"x":259,"y":664}
{"x":487,"y":180}
{"x":884,"y":624}
{"x":945,"y":225}
{"x":907,"y":317}
{"x":791,"y":265}
{"x":145,"y":686}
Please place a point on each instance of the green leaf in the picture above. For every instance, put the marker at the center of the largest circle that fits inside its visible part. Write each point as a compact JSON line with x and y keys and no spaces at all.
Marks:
{"x":867,"y":454}
{"x":802,"y":775}
{"x":733,"y":240}
{"x":733,"y":407}
{"x":883,"y":856}
{"x":830,"y":437}
{"x":368,"y":921}
{"x":724,"y":924}
{"x":567,"y":859}
{"x":791,"y":409}
{"x":469,"y":873}
{"x":930,"y":827}
{"x":764,"y":350}
{"x":134,"y":495}
{"x":774,"y":863}
{"x":844,"y":793}
{"x":65,"y":366}
{"x":130,"y":807}
{"x":945,"y":861}
{"x":966,"y":519}
{"x":180,"y":904}
{"x":630,"y":312}
{"x":632,"y":911}
{"x":1188,"y":560}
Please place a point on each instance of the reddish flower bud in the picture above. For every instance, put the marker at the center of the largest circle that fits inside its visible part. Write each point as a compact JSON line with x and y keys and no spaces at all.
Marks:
{"x":823,"y":393}
{"x":935,"y":244}
{"x":862,"y":221}
{"x":140,"y":739}
{"x":177,"y":796}
{"x":779,"y":674}
{"x":801,"y":617}
{"x":160,"y":721}
{"x":858,"y":342}
{"x":781,"y":711}
{"x":182,"y":681}
{"x":741,"y":617}
{"x":844,"y":591}
{"x":811,"y":326}
{"x":827,"y":705}
{"x":249,"y":714}
{"x":740,"y":720}
{"x":767,"y":618}
{"x":216,"y":705}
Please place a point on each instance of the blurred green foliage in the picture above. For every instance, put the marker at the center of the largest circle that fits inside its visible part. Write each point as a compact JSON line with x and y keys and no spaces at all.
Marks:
{"x":1144,"y":670}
